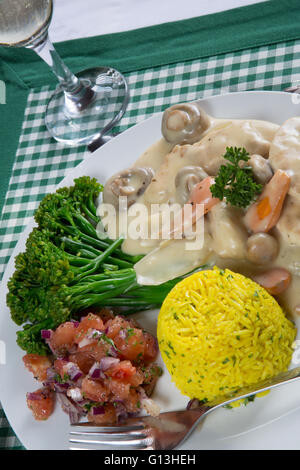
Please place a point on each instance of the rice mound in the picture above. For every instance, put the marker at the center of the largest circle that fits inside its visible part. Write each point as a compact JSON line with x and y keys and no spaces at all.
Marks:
{"x":219,"y":331}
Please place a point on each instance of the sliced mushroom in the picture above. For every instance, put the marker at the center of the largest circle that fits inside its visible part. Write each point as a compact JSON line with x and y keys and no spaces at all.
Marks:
{"x":130,"y":183}
{"x":184,"y":123}
{"x":262,"y":170}
{"x":185,"y":181}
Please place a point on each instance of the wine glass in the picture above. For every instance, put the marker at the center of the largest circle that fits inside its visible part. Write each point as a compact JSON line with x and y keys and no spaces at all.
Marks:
{"x":84,"y":107}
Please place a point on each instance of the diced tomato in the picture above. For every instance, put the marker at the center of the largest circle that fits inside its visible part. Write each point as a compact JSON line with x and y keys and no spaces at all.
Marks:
{"x":132,"y":402}
{"x":106,"y":314}
{"x":130,"y":342}
{"x":38,"y":365}
{"x":93,"y":390}
{"x":122,"y":371}
{"x":41,"y":403}
{"x":84,"y":360}
{"x":117,"y":323}
{"x":90,"y":322}
{"x":63,"y":337}
{"x":109,"y":416}
{"x":137,"y":379}
{"x":59,"y":366}
{"x":151,"y":375}
{"x":151,"y":348}
{"x":119,"y":390}
{"x":96,"y":349}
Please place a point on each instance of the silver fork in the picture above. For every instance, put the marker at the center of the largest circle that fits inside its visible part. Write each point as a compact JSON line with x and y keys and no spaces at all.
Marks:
{"x":166,"y":431}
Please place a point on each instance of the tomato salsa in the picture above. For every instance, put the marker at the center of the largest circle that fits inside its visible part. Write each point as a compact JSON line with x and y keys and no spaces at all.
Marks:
{"x":101,"y":367}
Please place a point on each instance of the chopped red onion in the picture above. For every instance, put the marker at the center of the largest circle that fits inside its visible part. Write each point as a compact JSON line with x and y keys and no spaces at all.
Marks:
{"x":51,"y":374}
{"x":98,"y":410}
{"x":39,"y":394}
{"x":107,"y":362}
{"x":113,"y":352}
{"x":61,"y":388}
{"x":121,"y":410}
{"x":48,"y":340}
{"x":150,"y":406}
{"x":123,"y":334}
{"x":33,"y":396}
{"x":46,"y":334}
{"x":75,"y":394}
{"x":97,"y":374}
{"x":85,"y":342}
{"x":70,"y":408}
{"x":95,"y":371}
{"x":94,"y":334}
{"x":73,"y":371}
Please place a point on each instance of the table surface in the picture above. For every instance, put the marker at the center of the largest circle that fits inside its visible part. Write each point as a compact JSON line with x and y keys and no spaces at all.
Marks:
{"x":72,"y":19}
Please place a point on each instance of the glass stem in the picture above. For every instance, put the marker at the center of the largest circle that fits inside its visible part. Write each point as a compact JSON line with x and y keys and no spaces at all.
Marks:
{"x":68,"y":81}
{"x":77,"y":94}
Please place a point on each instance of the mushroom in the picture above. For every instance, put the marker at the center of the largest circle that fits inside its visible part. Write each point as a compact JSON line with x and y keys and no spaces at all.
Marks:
{"x":262,"y":248}
{"x":262,"y":170}
{"x":185,"y":181}
{"x":130,"y":183}
{"x":184,"y":123}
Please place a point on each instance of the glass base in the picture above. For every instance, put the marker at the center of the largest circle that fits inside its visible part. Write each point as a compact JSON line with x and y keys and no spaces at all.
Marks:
{"x":74,"y":124}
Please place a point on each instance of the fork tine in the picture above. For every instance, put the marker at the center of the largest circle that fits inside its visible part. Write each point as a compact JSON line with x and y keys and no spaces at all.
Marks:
{"x":84,"y":428}
{"x":134,"y":443}
{"x":112,"y":435}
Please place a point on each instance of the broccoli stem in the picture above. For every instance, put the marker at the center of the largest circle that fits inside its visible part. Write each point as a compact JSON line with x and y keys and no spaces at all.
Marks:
{"x":88,"y":242}
{"x":90,"y":214}
{"x":85,"y":301}
{"x":96,"y":263}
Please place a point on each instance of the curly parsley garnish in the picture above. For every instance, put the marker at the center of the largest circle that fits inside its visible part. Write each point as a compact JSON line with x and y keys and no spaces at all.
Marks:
{"x":235,"y":182}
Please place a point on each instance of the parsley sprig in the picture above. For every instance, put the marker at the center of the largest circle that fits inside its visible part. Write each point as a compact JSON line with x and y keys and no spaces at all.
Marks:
{"x":235,"y":182}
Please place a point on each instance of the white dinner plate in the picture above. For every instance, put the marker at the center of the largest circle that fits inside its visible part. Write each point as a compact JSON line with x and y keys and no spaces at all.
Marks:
{"x":271,"y":422}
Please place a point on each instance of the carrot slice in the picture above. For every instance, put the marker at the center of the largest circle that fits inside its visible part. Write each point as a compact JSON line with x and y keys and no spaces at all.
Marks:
{"x":264,"y":208}
{"x":275,"y":280}
{"x":200,"y":194}
{"x":265,"y":212}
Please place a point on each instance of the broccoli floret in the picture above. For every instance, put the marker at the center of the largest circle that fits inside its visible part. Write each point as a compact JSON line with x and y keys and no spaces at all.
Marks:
{"x":67,"y":211}
{"x":30,"y":338}
{"x":42,"y":266}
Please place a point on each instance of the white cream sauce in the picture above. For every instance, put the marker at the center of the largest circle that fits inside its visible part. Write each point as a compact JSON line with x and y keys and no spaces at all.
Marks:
{"x":225,"y":235}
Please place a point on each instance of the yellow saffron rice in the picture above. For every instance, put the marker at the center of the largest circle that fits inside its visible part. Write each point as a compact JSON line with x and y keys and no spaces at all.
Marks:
{"x":219,"y":331}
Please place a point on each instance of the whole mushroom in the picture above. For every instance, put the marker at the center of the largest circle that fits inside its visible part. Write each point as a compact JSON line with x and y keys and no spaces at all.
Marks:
{"x":262,"y":248}
{"x":184,"y":123}
{"x":262,"y":170}
{"x":130,"y":183}
{"x":185,"y":180}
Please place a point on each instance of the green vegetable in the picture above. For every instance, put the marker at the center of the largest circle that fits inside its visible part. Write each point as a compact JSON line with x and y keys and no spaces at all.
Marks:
{"x":235,"y":182}
{"x":249,"y":399}
{"x":66,"y":268}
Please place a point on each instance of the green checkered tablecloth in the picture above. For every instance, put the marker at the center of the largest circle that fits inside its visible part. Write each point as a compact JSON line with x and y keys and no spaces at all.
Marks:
{"x":40,"y":163}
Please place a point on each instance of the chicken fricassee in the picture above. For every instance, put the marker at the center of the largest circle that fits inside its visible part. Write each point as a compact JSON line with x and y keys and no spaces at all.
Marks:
{"x":251,"y":219}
